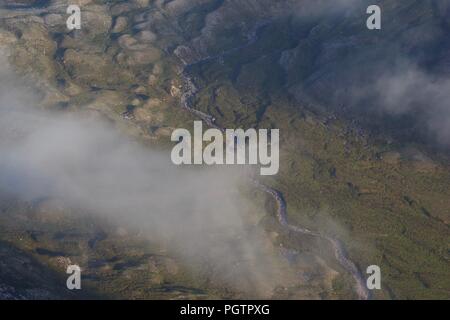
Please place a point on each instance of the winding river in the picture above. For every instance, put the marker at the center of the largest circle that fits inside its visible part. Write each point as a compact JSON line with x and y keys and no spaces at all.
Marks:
{"x":187,"y":101}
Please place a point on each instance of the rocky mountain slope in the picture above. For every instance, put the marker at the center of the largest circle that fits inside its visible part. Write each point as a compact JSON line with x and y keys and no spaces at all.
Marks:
{"x":358,"y":162}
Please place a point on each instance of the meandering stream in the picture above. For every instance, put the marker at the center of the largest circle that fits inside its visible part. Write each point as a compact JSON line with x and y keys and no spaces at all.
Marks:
{"x":187,"y":100}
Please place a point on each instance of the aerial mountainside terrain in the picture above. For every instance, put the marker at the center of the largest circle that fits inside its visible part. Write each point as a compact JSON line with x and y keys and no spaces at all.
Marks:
{"x":86,"y":178}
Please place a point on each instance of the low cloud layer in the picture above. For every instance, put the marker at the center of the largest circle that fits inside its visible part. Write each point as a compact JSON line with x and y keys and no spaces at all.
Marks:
{"x":409,"y":90}
{"x":404,"y":90}
{"x":396,"y":76}
{"x":87,"y":164}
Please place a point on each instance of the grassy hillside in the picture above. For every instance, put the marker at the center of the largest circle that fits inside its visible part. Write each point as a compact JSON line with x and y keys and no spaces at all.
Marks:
{"x":358,"y":176}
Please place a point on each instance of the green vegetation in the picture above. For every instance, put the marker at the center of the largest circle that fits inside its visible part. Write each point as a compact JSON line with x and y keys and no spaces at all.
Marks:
{"x":387,"y":206}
